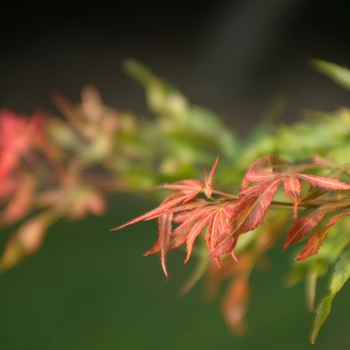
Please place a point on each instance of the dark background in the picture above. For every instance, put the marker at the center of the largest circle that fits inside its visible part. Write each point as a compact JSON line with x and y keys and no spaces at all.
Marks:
{"x":231,"y":56}
{"x":91,"y":289}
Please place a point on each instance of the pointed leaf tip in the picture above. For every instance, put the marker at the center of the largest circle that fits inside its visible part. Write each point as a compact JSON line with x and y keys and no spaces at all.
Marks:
{"x":303,"y":226}
{"x":327,"y":183}
{"x":164,"y":227}
{"x":208,"y":183}
{"x":321,"y":315}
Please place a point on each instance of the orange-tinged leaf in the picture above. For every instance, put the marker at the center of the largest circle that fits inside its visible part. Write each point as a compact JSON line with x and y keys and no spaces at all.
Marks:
{"x":206,"y":215}
{"x":324,"y":182}
{"x":185,"y":203}
{"x":22,"y":199}
{"x":260,"y":176}
{"x":303,"y":226}
{"x":224,"y":244}
{"x":219,"y":224}
{"x":188,"y":215}
{"x":313,"y":193}
{"x":235,"y":305}
{"x":247,"y":215}
{"x":292,"y":189}
{"x":269,"y":162}
{"x":192,"y":215}
{"x":325,"y":163}
{"x":193,"y":222}
{"x":269,"y":168}
{"x":314,"y":242}
{"x":19,"y":135}
{"x":208,"y":184}
{"x":250,"y":211}
{"x":188,"y":189}
{"x":164,"y":227}
{"x":166,"y":207}
{"x":26,"y":241}
{"x":175,"y":242}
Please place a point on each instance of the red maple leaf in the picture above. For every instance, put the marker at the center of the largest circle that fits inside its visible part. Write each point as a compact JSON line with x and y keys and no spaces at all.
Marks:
{"x":18,"y":136}
{"x":216,"y":217}
{"x":315,"y":241}
{"x":247,"y":214}
{"x":303,"y":226}
{"x":191,"y":224}
{"x":190,"y":212}
{"x":228,"y":217}
{"x":187,"y":190}
{"x":269,"y":172}
{"x":273,"y":168}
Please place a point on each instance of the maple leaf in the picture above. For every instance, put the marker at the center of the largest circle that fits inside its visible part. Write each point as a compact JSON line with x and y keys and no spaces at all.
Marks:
{"x":18,"y":135}
{"x":272,"y":167}
{"x":173,"y":242}
{"x":269,"y":172}
{"x":247,"y":214}
{"x":235,"y":301}
{"x":73,"y":201}
{"x":192,"y":215}
{"x":326,"y":183}
{"x":176,"y":239}
{"x":305,"y":225}
{"x":215,"y":217}
{"x":268,"y":162}
{"x":164,"y":232}
{"x":187,"y":190}
{"x":192,"y":223}
{"x":18,"y":192}
{"x":219,"y":224}
{"x":208,"y":180}
{"x":315,"y":241}
{"x":235,"y":304}
{"x":26,"y":241}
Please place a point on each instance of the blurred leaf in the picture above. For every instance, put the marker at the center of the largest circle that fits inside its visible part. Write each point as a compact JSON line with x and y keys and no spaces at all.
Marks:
{"x":21,"y":202}
{"x":341,"y":273}
{"x":321,"y":314}
{"x":199,"y":270}
{"x":340,"y":276}
{"x":315,"y":241}
{"x":26,"y":241}
{"x":268,"y":119}
{"x":200,"y":129}
{"x":162,"y":98}
{"x":339,"y":74}
{"x":235,"y":304}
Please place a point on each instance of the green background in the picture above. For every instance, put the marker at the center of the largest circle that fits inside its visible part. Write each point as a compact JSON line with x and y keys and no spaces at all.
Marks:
{"x":89,"y":288}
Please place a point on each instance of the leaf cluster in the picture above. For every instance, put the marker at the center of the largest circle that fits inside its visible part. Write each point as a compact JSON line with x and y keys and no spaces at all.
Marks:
{"x":302,"y":167}
{"x":287,"y":182}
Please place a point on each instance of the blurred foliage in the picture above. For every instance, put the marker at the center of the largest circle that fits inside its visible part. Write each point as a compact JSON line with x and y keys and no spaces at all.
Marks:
{"x":321,"y":134}
{"x":54,"y":168}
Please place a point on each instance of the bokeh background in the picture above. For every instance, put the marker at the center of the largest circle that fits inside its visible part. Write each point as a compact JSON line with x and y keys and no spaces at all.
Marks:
{"x":92,"y":289}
